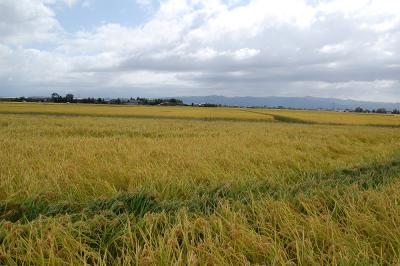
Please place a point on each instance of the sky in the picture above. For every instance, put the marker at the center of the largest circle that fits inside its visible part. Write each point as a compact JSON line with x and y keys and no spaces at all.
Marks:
{"x":348,"y":49}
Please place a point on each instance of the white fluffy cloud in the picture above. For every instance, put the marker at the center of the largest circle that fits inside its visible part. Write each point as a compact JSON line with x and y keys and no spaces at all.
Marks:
{"x":26,"y":21}
{"x":329,"y":48}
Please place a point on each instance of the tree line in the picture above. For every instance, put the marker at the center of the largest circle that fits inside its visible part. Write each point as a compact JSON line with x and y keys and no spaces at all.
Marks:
{"x":377,"y":111}
{"x":70,"y":98}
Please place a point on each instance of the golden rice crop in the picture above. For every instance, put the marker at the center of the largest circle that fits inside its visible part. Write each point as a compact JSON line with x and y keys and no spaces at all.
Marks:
{"x":133,"y":111}
{"x":330,"y":117}
{"x":124,"y":190}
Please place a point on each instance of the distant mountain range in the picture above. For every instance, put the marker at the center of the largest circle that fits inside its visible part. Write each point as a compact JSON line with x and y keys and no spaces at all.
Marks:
{"x":290,"y":102}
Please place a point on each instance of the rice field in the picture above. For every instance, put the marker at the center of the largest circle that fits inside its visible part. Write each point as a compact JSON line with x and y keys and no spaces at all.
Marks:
{"x":183,"y":112}
{"x":133,"y":185}
{"x":177,"y":112}
{"x":332,"y":118}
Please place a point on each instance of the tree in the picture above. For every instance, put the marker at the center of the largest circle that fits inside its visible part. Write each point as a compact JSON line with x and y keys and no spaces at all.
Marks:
{"x":396,"y":112}
{"x":358,"y":110}
{"x":381,"y":111}
{"x":55,"y":97}
{"x":69,"y":97}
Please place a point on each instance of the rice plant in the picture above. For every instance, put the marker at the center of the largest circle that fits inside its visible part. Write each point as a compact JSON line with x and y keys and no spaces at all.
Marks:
{"x":161,"y":186}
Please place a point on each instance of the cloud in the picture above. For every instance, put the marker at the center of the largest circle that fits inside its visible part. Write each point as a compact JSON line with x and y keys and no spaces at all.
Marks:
{"x":245,"y":53}
{"x":26,"y":21}
{"x":330,"y":48}
{"x":70,"y":3}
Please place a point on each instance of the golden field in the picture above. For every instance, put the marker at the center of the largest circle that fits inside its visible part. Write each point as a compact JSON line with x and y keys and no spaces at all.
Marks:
{"x":333,"y":118}
{"x":134,"y":185}
{"x":133,"y":111}
{"x":183,"y":112}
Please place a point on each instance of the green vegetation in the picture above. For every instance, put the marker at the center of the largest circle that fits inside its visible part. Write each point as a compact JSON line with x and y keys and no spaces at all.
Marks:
{"x":110,"y":185}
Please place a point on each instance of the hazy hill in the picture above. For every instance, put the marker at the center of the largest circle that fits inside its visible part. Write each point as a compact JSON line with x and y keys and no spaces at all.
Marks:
{"x":290,"y":102}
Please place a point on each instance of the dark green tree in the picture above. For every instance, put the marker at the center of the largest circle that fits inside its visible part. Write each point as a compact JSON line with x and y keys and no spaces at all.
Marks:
{"x":69,"y":97}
